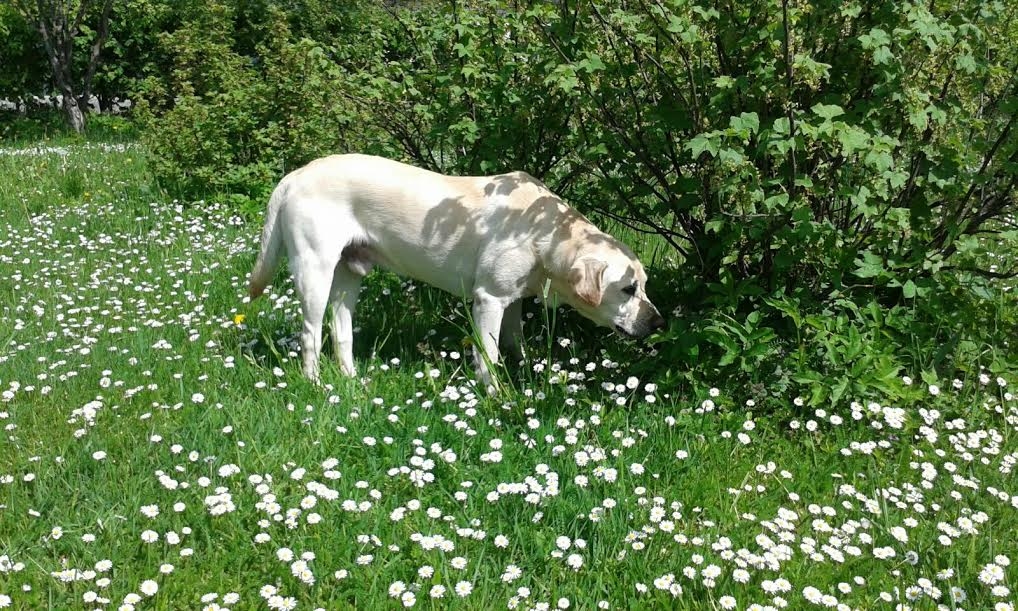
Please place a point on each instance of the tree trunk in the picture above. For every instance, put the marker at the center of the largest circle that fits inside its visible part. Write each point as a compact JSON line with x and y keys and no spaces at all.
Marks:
{"x":75,"y":116}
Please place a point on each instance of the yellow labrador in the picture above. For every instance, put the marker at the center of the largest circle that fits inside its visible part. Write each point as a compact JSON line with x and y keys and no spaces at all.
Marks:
{"x":497,"y":239}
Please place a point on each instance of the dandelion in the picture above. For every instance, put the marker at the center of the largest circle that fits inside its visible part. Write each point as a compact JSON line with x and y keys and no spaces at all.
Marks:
{"x":149,"y":587}
{"x":464,"y":588}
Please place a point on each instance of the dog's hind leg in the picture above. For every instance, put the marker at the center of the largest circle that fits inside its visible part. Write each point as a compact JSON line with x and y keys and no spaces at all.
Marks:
{"x":512,"y":330}
{"x":312,"y":277}
{"x":346,"y":286}
{"x":487,"y":312}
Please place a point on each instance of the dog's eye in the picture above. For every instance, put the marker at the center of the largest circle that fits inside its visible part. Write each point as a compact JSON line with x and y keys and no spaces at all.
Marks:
{"x":630,"y":290}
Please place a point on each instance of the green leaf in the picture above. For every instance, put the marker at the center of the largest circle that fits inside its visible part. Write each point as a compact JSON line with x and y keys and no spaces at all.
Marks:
{"x":827,"y":111}
{"x":691,"y":35}
{"x":730,"y":154}
{"x":745,"y":122}
{"x":713,"y":226}
{"x":879,"y":159}
{"x":676,"y":25}
{"x":875,"y":38}
{"x":724,"y":82}
{"x":919,"y":119}
{"x":776,"y":202}
{"x":908,"y":289}
{"x":706,"y":14}
{"x":591,"y":64}
{"x":700,"y":144}
{"x":882,"y":55}
{"x":966,"y":63}
{"x":852,"y":139}
{"x":869,"y":266}
{"x":838,"y":389}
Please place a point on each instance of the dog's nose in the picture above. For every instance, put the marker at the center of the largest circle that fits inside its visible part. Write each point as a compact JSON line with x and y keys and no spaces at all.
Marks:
{"x":657,"y":323}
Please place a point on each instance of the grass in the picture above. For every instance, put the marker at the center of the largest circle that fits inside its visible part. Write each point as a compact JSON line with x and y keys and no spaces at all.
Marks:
{"x":158,"y":436}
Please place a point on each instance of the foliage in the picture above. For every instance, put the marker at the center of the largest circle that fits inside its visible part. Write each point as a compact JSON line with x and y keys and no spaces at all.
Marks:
{"x":73,"y":35}
{"x":23,"y":66}
{"x":835,"y":145}
{"x":466,"y":90}
{"x":132,"y":52}
{"x":235,"y":126}
{"x":831,"y":145}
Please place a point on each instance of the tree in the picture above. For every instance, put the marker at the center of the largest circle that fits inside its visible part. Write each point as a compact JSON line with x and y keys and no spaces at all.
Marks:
{"x":61,"y":24}
{"x":23,"y":71}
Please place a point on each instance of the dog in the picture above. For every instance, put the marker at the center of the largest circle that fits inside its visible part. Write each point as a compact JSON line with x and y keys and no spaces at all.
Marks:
{"x":497,"y":239}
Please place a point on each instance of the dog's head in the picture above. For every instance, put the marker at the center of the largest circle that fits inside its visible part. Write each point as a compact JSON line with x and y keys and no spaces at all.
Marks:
{"x":608,"y":286}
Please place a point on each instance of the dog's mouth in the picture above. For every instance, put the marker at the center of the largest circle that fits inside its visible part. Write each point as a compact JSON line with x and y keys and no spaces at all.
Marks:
{"x":626,"y":333}
{"x":639,"y":334}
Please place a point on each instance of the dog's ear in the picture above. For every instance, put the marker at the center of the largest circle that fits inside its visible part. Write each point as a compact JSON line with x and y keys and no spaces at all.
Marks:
{"x":586,"y":278}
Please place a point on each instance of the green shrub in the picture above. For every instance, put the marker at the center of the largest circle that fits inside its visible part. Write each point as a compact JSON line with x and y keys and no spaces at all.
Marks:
{"x":241,"y":125}
{"x":835,"y":145}
{"x":840,"y":148}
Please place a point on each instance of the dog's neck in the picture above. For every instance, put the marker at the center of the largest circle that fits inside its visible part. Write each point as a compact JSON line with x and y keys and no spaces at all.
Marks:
{"x":557,"y":256}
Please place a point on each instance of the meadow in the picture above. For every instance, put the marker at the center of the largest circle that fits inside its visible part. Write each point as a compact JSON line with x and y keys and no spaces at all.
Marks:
{"x":161,"y":451}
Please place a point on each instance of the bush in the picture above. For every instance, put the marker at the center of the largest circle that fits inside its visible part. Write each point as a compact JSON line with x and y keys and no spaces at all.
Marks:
{"x":832,"y":145}
{"x":241,"y":125}
{"x":843,"y":148}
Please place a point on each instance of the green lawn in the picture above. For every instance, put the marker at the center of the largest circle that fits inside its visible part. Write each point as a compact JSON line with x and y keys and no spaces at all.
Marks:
{"x":161,"y":449}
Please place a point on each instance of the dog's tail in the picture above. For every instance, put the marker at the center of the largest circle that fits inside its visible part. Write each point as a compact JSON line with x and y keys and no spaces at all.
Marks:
{"x":272,"y":242}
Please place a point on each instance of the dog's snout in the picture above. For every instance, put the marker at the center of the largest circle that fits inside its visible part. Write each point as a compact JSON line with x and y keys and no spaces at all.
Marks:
{"x":653,"y":321}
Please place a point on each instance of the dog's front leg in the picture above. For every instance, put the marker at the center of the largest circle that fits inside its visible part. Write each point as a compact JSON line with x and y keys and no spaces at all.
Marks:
{"x":487,"y":312}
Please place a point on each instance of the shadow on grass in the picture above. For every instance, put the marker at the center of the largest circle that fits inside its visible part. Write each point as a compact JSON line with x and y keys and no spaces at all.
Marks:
{"x":422,"y":326}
